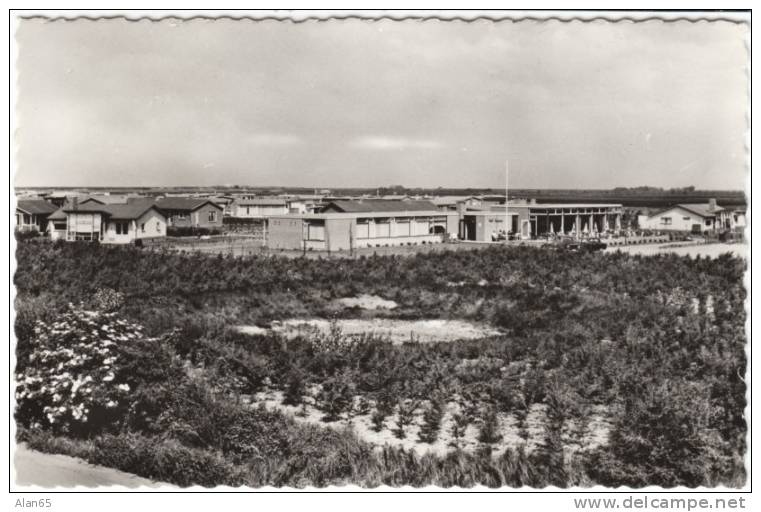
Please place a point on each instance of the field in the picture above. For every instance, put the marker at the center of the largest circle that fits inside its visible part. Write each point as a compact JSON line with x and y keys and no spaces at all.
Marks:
{"x":577,"y":369}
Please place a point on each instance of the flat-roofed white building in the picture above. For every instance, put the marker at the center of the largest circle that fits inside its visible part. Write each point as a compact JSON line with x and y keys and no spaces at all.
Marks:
{"x":259,"y":208}
{"x":530,"y":219}
{"x":346,"y":225}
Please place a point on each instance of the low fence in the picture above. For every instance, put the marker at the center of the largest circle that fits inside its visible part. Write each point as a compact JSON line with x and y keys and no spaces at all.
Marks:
{"x":397,"y":250}
{"x":636,"y":240}
{"x":213,"y":245}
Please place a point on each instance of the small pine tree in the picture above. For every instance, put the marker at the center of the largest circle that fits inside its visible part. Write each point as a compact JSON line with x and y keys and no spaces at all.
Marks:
{"x":295,"y":389}
{"x":489,"y":431}
{"x":378,"y":418}
{"x":383,"y":408}
{"x":429,"y":430}
{"x":336,"y":396}
{"x":459,"y":427}
{"x":405,"y":417}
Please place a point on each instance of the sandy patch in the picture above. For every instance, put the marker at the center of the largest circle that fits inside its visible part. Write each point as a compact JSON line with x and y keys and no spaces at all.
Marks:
{"x":369,"y":302}
{"x":253,"y":330}
{"x":396,"y":331}
{"x":529,"y":434}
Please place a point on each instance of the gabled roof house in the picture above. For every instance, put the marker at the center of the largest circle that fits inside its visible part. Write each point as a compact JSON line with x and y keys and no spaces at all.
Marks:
{"x":108,"y":223}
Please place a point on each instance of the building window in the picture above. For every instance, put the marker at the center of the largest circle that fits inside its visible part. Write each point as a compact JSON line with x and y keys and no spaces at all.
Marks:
{"x":316,"y":230}
{"x":158,"y":227}
{"x":686,"y":219}
{"x":708,"y":222}
{"x":666,"y":221}
{"x":382,"y":228}
{"x":363,"y":228}
{"x":59,"y":226}
{"x":181,"y":216}
{"x":402,"y":227}
{"x":212,"y":216}
{"x":122,"y":228}
{"x":142,"y":227}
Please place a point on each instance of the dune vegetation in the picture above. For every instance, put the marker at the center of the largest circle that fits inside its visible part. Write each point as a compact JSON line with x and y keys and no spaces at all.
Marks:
{"x":132,"y":359}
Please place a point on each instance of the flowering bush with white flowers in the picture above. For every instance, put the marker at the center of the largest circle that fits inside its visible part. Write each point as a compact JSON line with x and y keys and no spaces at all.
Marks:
{"x":72,"y":382}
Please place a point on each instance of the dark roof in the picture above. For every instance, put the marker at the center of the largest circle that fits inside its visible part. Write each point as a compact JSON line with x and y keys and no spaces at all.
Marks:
{"x":184,"y":203}
{"x":131,"y":210}
{"x":127,"y":211}
{"x":379,"y":205}
{"x":90,"y":206}
{"x":35,"y":206}
{"x":59,"y":214}
{"x":111,"y":199}
{"x":702,"y":209}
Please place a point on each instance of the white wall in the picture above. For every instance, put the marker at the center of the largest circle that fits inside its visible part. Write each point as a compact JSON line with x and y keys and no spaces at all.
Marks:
{"x":155,"y":226}
{"x":674,"y":219}
{"x":56,"y":234}
{"x":255,"y":211}
{"x":83,"y":222}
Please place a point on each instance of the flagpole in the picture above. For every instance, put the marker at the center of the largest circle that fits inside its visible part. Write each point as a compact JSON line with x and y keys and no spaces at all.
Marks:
{"x":507,"y":218}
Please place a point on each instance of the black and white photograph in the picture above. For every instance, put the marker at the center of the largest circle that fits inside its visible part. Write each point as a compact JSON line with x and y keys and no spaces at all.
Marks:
{"x":322,"y":251}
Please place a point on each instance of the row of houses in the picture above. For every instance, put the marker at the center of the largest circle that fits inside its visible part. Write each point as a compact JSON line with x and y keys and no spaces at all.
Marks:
{"x":340,"y":224}
{"x":116,"y":219}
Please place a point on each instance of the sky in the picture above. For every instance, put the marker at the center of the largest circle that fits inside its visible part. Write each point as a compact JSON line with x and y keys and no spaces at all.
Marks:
{"x":357,"y":103}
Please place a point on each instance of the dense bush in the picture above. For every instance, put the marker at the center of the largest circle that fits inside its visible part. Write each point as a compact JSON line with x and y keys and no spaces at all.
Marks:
{"x":73,"y":380}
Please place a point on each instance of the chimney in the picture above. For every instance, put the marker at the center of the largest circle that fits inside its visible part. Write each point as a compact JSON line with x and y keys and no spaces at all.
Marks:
{"x":712,"y":204}
{"x":75,"y":203}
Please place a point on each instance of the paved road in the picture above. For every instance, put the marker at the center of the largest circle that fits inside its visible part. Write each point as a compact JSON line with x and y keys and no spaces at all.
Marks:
{"x":35,"y":468}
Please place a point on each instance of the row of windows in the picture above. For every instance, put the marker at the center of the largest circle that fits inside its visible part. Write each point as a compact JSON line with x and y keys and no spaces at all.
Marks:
{"x":186,"y":216}
{"x":386,"y":220}
{"x":315,"y":230}
{"x":122,"y":228}
{"x":666,"y":221}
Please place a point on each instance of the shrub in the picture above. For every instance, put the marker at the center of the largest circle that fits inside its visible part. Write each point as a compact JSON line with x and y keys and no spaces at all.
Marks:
{"x":166,"y":460}
{"x":107,"y":300}
{"x":24,"y":236}
{"x":74,"y":380}
{"x":662,"y":439}
{"x":190,"y":231}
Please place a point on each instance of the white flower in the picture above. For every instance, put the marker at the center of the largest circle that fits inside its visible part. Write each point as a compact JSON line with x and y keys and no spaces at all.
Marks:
{"x":110,"y":404}
{"x":108,"y":378}
{"x":123,"y":387}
